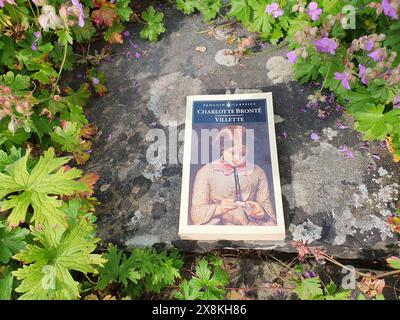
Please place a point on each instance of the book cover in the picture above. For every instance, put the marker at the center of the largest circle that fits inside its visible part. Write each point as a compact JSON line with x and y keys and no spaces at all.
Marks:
{"x":230,"y":181}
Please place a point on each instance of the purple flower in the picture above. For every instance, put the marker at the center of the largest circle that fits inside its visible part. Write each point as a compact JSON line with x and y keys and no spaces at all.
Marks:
{"x":376,"y":156}
{"x":310,"y":274}
{"x":36,"y":34}
{"x":341,"y":125}
{"x":339,"y":108}
{"x":133,"y":45}
{"x":313,"y":11}
{"x":369,"y":45}
{"x":261,"y":44}
{"x":378,"y":55}
{"x":79,"y":9}
{"x":274,"y":10}
{"x":326,"y":45}
{"x":95,"y":81}
{"x":127,"y":34}
{"x":34,"y":46}
{"x":314,"y":136}
{"x":347,"y":152}
{"x":292,"y":56}
{"x":364,"y":146}
{"x":137,"y":55}
{"x":362,"y":73}
{"x":284,"y":134}
{"x":344,"y":79}
{"x":396,"y":102}
{"x":389,"y":10}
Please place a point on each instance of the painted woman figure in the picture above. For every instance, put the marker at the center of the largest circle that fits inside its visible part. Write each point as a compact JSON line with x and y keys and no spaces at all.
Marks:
{"x":231,"y":190}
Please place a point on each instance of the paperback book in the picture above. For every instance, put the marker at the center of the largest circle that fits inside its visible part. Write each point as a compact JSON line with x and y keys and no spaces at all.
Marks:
{"x":230,"y":182}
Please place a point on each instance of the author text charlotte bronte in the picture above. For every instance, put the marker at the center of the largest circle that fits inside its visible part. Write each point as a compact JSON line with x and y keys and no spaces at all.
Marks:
{"x":231,"y":190}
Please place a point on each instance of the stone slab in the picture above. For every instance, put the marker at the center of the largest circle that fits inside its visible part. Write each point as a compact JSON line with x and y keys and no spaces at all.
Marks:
{"x":330,"y":200}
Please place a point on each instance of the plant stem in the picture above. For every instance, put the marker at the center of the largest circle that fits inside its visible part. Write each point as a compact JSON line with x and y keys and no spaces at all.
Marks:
{"x":61,"y":68}
{"x":330,"y":259}
{"x":218,"y":28}
{"x":282,"y":45}
{"x":389,"y":273}
{"x":326,"y":76}
{"x":33,"y":11}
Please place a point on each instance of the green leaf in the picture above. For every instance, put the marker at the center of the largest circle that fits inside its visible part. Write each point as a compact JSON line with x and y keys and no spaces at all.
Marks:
{"x":6,"y":285}
{"x":57,"y":55}
{"x":68,"y":136}
{"x":49,"y":261}
{"x":154,"y":24}
{"x":84,"y":34}
{"x":304,"y":71}
{"x":374,"y":123}
{"x":206,"y":284}
{"x":19,"y":84}
{"x":393,"y":37}
{"x":331,"y":292}
{"x":79,"y":97}
{"x":309,"y":289}
{"x":8,"y":52}
{"x":9,"y":158}
{"x":11,"y":241}
{"x":361,"y":297}
{"x":41,"y":125}
{"x":209,"y":9}
{"x":64,"y":37}
{"x":123,"y":10}
{"x":377,"y":89}
{"x":187,"y":292}
{"x":380,"y":297}
{"x":358,"y":99}
{"x":77,"y":210}
{"x":186,"y":6}
{"x":38,"y":188}
{"x":241,"y":10}
{"x":394,"y":262}
{"x":262,"y":22}
{"x":109,"y":273}
{"x":154,"y":270}
{"x":10,"y":139}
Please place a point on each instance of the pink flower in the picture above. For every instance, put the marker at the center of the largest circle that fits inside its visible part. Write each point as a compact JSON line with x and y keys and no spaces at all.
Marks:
{"x":344,"y":79}
{"x":49,"y":19}
{"x":39,"y":3}
{"x":274,"y":10}
{"x":4,"y":2}
{"x":313,"y":11}
{"x":326,"y":45}
{"x":389,"y":10}
{"x":78,"y":10}
{"x":396,"y":102}
{"x":378,"y":54}
{"x":362,"y":73}
{"x":292,"y":56}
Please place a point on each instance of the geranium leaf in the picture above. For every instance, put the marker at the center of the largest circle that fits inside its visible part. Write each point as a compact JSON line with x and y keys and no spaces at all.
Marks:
{"x":38,"y":188}
{"x":154,"y":24}
{"x":49,"y":261}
